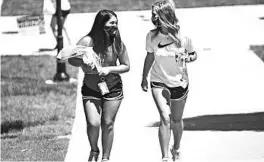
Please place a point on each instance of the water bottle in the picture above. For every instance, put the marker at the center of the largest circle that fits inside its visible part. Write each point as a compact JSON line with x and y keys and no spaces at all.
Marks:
{"x":182,"y":66}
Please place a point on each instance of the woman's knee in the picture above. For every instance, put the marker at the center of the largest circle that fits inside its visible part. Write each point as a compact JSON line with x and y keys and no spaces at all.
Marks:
{"x":177,"y":121}
{"x":107,"y":124}
{"x":165,"y":120}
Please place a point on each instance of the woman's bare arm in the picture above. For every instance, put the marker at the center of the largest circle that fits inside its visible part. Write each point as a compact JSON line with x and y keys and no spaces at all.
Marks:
{"x":147,"y":64}
{"x":78,"y":61}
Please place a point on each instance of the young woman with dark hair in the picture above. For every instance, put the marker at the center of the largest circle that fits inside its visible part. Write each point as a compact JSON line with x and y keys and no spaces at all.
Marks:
{"x":102,"y":89}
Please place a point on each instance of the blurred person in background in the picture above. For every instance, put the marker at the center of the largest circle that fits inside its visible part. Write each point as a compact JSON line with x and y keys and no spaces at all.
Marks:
{"x":65,"y":11}
{"x":167,"y":54}
{"x":102,"y":90}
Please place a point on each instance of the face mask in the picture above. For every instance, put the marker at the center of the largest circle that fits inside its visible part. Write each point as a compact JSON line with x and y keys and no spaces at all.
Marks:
{"x":111,"y":30}
{"x":156,"y":22}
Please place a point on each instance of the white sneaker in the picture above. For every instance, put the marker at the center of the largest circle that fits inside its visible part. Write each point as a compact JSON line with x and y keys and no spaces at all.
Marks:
{"x":166,"y":159}
{"x":105,"y":160}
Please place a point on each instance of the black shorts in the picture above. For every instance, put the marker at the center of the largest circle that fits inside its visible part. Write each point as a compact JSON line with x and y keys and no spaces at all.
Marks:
{"x":176,"y":93}
{"x":115,"y":92}
{"x":64,"y":13}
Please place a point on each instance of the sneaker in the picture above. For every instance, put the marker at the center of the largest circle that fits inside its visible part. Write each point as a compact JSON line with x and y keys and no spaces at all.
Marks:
{"x":105,"y":160}
{"x":166,"y":159}
{"x":175,"y":154}
{"x":93,"y":156}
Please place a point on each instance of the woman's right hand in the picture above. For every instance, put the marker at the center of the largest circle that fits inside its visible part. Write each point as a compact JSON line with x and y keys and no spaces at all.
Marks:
{"x":88,"y":69}
{"x":144,"y":84}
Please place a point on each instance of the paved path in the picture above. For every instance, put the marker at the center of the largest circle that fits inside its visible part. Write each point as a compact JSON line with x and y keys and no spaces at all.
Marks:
{"x":218,"y":86}
{"x":226,"y":78}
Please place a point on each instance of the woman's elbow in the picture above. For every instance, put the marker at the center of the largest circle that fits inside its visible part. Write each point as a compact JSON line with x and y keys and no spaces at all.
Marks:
{"x":127,"y":69}
{"x":195,"y":56}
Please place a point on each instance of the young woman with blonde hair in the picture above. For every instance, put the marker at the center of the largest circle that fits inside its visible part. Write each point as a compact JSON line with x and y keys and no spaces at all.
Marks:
{"x":167,"y":55}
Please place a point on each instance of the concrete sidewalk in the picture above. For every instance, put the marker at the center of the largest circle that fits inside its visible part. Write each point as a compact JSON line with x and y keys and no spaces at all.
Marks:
{"x":134,"y":141}
{"x":227,"y":78}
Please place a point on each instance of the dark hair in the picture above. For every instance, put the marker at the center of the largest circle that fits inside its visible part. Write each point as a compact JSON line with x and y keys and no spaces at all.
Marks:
{"x":99,"y":36}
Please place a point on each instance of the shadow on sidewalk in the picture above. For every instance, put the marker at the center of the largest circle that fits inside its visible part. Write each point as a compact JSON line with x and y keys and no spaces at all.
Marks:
{"x":258,"y":50}
{"x":225,"y":122}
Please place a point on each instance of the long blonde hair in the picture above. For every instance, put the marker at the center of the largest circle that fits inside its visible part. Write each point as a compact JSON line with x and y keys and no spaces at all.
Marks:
{"x":165,"y":9}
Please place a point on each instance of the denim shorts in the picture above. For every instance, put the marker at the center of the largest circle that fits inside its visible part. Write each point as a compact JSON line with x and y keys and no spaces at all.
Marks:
{"x":115,"y":92}
{"x":176,"y":93}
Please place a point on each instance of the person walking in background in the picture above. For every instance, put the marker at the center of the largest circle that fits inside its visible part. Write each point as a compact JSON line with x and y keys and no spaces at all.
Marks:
{"x":65,"y":10}
{"x":102,"y":90}
{"x":167,"y":55}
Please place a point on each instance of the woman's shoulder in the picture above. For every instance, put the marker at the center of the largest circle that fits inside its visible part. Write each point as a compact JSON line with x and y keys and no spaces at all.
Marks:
{"x":152,"y":32}
{"x":86,"y":41}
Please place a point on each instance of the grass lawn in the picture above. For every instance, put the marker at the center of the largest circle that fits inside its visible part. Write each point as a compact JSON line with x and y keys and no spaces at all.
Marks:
{"x":34,"y":150}
{"x":33,"y":114}
{"x":29,"y":7}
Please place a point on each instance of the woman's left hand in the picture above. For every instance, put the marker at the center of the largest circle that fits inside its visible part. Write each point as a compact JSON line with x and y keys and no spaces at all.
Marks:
{"x":104,"y":71}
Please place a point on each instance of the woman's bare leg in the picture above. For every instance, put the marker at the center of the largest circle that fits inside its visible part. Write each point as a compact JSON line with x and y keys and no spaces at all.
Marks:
{"x":92,"y":114}
{"x":53,"y":25}
{"x":109,"y":111}
{"x":177,"y":108}
{"x":161,"y":97}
